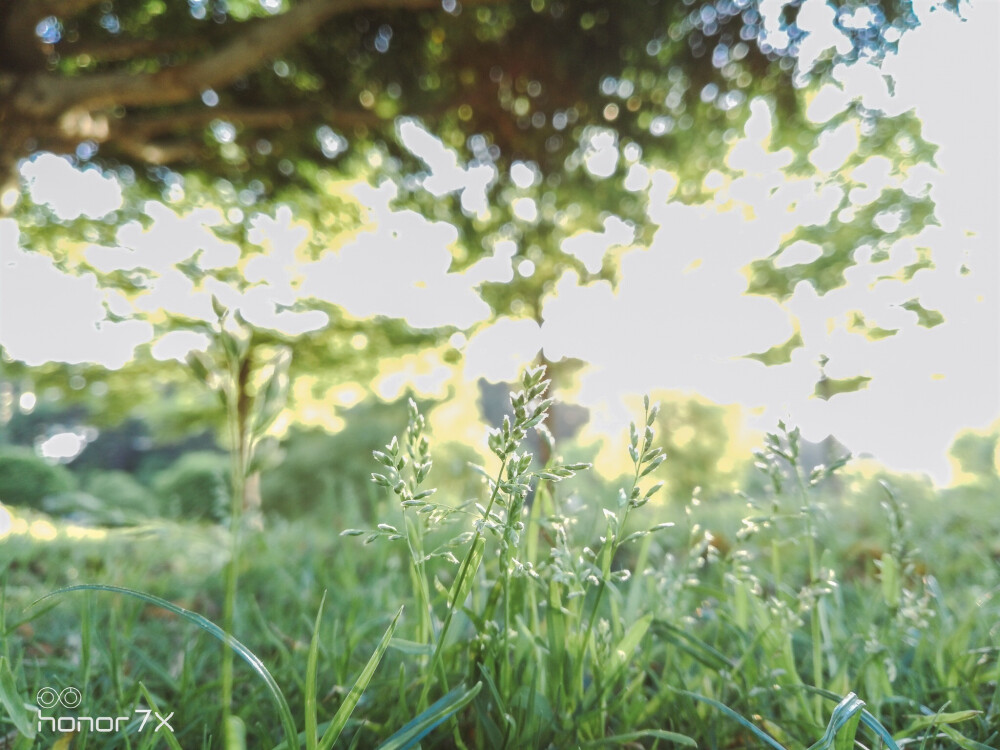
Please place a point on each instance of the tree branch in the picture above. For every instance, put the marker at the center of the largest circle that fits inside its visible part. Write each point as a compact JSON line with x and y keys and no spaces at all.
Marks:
{"x":152,"y":126}
{"x":21,"y":46}
{"x":116,"y":50}
{"x":47,"y":95}
{"x":158,"y":154}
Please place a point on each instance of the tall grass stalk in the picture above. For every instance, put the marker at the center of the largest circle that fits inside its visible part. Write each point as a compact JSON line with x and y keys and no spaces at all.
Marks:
{"x":646,"y":458}
{"x":503,"y":442}
{"x":229,"y":368}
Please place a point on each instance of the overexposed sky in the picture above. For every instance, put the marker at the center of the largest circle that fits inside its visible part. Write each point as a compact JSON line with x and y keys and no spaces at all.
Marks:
{"x":679,"y":319}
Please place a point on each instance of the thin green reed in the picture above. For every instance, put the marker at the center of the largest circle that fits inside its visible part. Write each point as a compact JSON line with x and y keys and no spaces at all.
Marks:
{"x":253,"y":394}
{"x":503,"y":442}
{"x":404,"y":473}
{"x":646,"y":458}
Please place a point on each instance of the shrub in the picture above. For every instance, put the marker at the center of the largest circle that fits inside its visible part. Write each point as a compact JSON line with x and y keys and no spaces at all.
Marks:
{"x":26,"y":478}
{"x":320,"y":471}
{"x":196,"y":486}
{"x":307,"y":477}
{"x":119,"y":491}
{"x":84,"y":508}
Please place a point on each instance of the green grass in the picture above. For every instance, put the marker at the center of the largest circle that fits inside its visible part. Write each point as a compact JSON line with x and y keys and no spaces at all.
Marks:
{"x":825,"y":613}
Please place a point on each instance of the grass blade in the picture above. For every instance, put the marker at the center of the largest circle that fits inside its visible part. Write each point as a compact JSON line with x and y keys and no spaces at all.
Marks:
{"x":735,"y":717}
{"x":344,"y":713}
{"x":236,"y":733}
{"x":422,"y":724}
{"x":168,"y":735}
{"x":846,"y":735}
{"x":693,"y":646}
{"x":13,"y":703}
{"x":843,"y":725}
{"x":866,"y":718}
{"x":285,"y":713}
{"x":310,"y":691}
{"x":656,"y":734}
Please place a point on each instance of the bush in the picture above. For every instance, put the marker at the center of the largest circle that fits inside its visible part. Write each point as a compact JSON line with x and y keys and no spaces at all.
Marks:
{"x":26,"y":478}
{"x":327,"y":472}
{"x":84,"y":508}
{"x":119,"y":491}
{"x":196,"y":486}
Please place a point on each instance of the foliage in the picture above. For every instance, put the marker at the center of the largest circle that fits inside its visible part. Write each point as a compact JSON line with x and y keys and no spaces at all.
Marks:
{"x":521,"y":95}
{"x":321,"y":472}
{"x":196,"y":486}
{"x":120,"y":491}
{"x":702,"y":441}
{"x":84,"y":508}
{"x":26,"y":478}
{"x":977,"y":455}
{"x":233,"y":89}
{"x":689,"y":640}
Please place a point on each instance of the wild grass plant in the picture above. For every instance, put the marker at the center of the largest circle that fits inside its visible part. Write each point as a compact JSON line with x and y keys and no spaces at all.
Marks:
{"x":519,"y":626}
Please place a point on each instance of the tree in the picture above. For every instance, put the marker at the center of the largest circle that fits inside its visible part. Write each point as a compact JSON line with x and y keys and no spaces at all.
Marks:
{"x":549,"y":104}
{"x":251,"y":90}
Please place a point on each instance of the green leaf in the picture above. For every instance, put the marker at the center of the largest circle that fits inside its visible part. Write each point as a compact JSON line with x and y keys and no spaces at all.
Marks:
{"x":892,"y":585}
{"x":463,"y":585}
{"x":925,"y":318}
{"x":779,"y":354}
{"x":827,"y":388}
{"x":200,"y":365}
{"x":730,"y":713}
{"x":936,"y":720}
{"x":632,"y":638}
{"x":273,"y":394}
{"x":696,"y":648}
{"x":344,"y":713}
{"x":411,"y":648}
{"x":962,"y":741}
{"x":24,"y":720}
{"x":422,"y":724}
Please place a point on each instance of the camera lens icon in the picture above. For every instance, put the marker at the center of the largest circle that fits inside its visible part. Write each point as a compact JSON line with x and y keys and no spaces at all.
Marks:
{"x":48,"y":697}
{"x":70,"y":697}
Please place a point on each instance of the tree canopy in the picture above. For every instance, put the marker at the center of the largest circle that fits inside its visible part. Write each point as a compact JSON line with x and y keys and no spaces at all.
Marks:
{"x":257,"y":103}
{"x":254,"y":90}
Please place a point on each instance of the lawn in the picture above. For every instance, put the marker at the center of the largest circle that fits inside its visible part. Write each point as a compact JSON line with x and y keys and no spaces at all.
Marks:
{"x":550,"y":611}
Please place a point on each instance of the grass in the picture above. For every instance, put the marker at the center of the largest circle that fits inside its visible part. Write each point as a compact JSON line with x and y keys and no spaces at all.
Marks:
{"x":806,"y":617}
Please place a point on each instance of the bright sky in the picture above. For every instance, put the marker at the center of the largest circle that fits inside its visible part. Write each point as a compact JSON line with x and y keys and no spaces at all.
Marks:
{"x":686,"y":287}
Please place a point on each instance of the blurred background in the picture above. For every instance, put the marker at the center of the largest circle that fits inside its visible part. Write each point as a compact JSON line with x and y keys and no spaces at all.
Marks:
{"x":751,"y":211}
